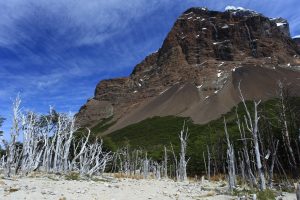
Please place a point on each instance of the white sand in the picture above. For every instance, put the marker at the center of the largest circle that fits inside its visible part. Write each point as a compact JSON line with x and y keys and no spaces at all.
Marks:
{"x":116,"y":189}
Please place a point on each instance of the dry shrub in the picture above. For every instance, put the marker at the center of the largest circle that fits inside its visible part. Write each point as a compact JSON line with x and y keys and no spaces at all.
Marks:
{"x":132,"y":176}
{"x":34,"y":174}
{"x":218,"y":177}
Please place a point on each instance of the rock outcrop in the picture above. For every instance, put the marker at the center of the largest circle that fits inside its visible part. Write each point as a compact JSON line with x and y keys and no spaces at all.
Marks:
{"x":197,"y":60}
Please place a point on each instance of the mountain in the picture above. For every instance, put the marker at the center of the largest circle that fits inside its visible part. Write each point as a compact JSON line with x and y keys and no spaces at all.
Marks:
{"x":196,"y":72}
{"x":297,"y":40}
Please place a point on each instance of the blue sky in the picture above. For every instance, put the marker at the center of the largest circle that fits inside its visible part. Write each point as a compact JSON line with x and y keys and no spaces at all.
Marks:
{"x":54,"y":52}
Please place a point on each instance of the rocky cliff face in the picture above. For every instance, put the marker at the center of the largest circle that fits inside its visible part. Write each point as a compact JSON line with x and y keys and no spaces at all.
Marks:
{"x":202,"y":49}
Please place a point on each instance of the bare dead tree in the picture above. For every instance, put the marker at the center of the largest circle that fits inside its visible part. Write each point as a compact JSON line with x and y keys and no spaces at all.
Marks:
{"x":136,"y":156}
{"x":165,"y":164}
{"x":275,"y":147}
{"x":285,"y":130}
{"x":242,"y":165}
{"x":208,"y":163}
{"x":146,"y":166}
{"x":14,"y":135}
{"x":94,"y":160}
{"x":47,"y":131}
{"x":175,"y":163}
{"x":182,"y":155}
{"x":79,"y":149}
{"x":230,"y":160}
{"x":33,"y":148}
{"x":250,"y":174}
{"x":252,"y":126}
{"x":47,"y":146}
{"x":157,"y":170}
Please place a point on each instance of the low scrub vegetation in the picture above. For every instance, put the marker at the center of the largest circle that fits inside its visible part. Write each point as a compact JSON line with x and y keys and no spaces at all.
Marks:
{"x":72,"y":176}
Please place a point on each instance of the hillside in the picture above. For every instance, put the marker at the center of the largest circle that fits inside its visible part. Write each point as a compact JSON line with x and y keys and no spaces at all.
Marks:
{"x":154,"y":133}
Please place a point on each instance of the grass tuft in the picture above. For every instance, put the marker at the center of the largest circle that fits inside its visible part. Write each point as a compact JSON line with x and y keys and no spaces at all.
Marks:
{"x":72,"y":176}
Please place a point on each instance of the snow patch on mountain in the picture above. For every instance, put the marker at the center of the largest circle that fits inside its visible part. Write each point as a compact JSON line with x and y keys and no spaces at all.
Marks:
{"x":234,"y":8}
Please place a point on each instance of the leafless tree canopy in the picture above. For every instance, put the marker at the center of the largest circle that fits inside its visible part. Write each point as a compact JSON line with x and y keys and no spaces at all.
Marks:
{"x":47,"y":143}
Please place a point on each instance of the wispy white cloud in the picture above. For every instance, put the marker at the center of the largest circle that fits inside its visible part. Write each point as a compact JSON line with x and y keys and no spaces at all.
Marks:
{"x":93,"y":21}
{"x":96,"y":21}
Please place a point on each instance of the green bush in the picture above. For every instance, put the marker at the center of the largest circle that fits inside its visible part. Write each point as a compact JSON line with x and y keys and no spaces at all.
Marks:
{"x":266,"y":195}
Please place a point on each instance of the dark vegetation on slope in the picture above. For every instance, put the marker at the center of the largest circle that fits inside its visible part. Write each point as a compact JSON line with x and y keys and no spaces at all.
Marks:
{"x":103,"y":125}
{"x":153,"y":134}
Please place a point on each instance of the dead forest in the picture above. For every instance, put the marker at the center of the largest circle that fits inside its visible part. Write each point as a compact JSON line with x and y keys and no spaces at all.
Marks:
{"x":262,"y":159}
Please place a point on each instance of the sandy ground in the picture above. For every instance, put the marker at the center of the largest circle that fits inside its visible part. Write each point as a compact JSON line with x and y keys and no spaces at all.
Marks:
{"x":115,"y":189}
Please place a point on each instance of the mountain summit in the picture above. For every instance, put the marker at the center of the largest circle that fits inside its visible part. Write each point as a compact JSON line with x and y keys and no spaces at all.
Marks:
{"x":197,"y":70}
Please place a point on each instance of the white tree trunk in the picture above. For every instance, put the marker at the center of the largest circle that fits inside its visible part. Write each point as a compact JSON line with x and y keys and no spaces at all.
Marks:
{"x":182,"y":156}
{"x":230,"y":161}
{"x":165,"y":163}
{"x":285,"y":130}
{"x":252,"y":126}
